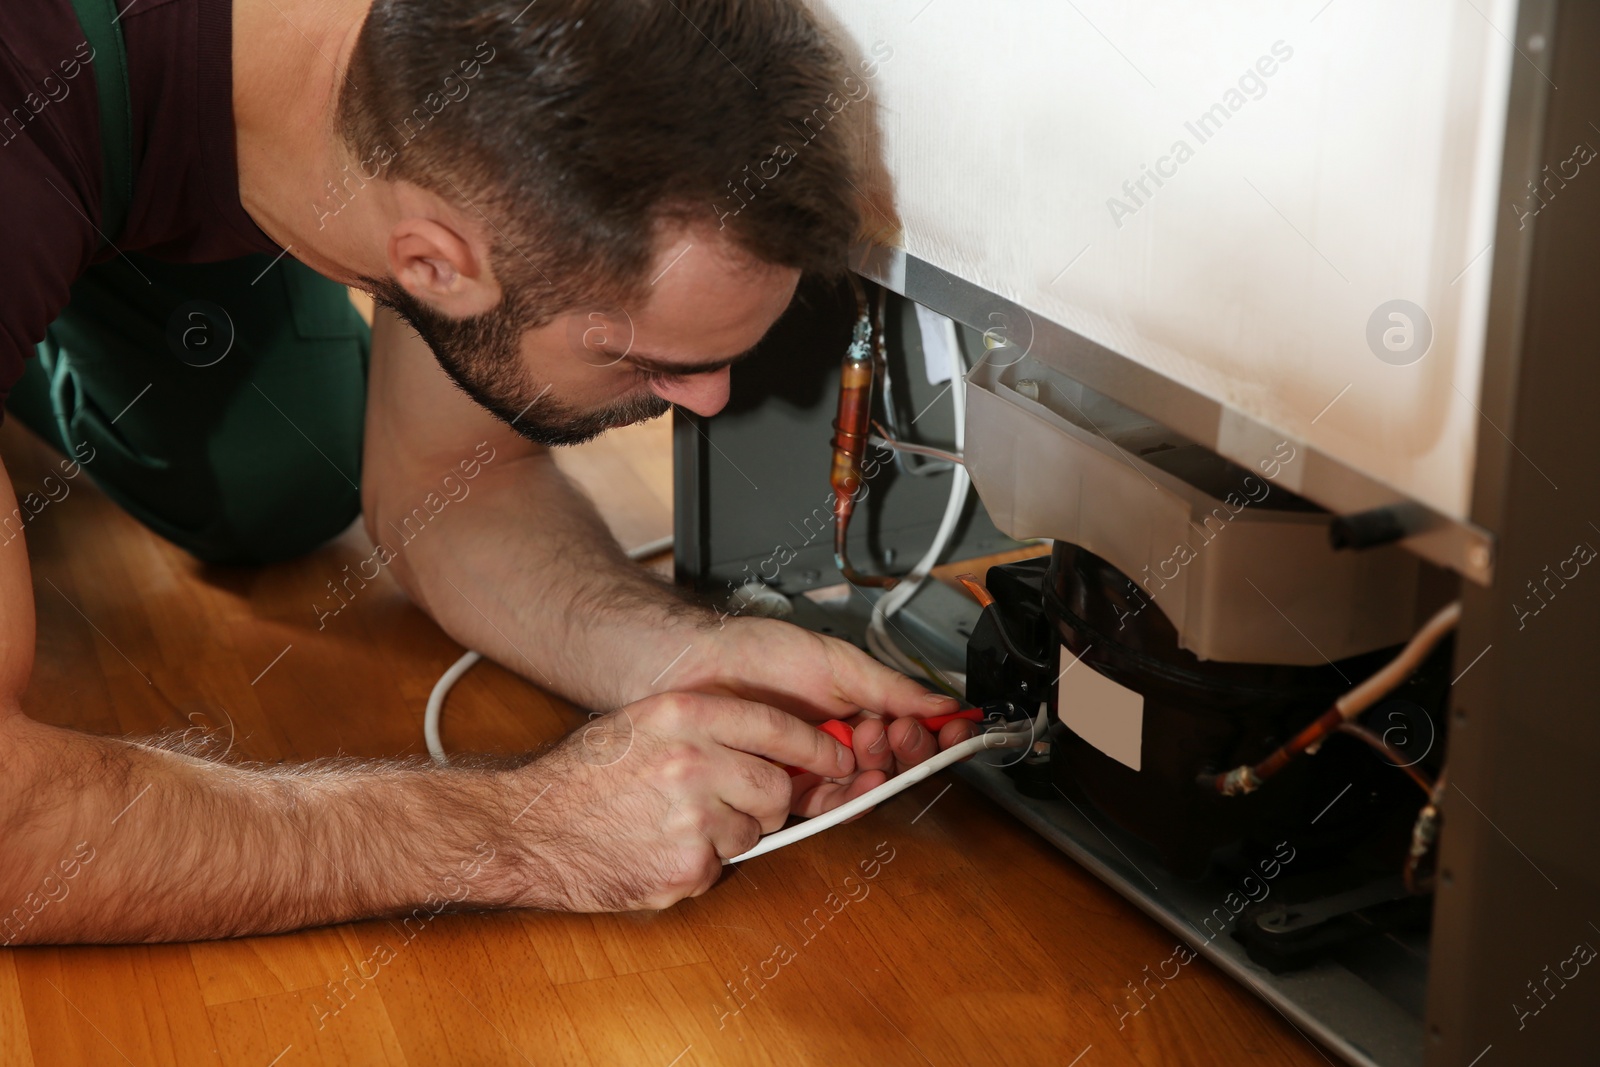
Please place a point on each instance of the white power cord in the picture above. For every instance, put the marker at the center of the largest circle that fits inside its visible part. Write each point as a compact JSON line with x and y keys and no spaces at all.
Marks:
{"x":1025,"y":734}
{"x":447,"y":680}
{"x":989,"y":739}
{"x":879,"y":643}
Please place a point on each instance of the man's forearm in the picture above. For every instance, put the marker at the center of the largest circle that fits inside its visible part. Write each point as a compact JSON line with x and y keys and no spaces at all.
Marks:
{"x":108,"y":840}
{"x":526,"y":572}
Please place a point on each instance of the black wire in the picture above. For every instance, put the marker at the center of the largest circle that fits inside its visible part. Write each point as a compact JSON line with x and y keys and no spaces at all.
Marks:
{"x":1010,"y":646}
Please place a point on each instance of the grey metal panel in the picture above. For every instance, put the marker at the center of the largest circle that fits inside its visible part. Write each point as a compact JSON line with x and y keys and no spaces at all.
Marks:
{"x":1465,"y":547}
{"x":1520,"y":867}
{"x":1520,"y":859}
{"x":1365,"y":1007}
{"x":752,"y":489}
{"x":1328,"y":1001}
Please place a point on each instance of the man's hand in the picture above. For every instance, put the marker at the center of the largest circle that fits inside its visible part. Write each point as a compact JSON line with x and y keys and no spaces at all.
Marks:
{"x":816,"y":677}
{"x":525,"y":572}
{"x":639,"y":809}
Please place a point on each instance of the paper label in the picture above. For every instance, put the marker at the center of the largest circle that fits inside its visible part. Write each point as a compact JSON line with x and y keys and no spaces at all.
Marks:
{"x":1107,"y":715}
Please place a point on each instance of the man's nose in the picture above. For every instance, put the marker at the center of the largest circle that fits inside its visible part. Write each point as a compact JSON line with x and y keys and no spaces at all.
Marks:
{"x":703,"y":394}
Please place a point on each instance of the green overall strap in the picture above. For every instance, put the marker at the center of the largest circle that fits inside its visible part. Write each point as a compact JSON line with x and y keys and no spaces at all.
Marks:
{"x":98,"y":19}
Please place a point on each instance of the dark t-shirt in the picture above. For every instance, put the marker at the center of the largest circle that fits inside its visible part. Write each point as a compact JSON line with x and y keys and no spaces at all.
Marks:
{"x":185,"y":177}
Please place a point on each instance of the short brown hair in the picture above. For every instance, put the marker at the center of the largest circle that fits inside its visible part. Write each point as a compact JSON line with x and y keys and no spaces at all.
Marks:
{"x":576,"y":128}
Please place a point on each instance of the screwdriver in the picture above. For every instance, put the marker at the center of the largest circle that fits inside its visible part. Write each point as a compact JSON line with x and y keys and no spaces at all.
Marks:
{"x":844,"y":733}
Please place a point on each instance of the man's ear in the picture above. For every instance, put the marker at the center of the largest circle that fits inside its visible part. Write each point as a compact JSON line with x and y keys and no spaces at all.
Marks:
{"x":441,"y":267}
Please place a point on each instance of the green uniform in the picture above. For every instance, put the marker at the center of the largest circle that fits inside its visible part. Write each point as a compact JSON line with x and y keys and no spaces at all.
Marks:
{"x":222,"y":403}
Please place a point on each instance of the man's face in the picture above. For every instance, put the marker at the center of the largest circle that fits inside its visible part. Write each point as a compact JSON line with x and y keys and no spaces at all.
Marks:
{"x":593,"y":369}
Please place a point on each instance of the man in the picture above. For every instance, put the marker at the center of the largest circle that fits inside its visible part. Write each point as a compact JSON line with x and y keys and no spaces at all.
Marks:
{"x":498,"y":176}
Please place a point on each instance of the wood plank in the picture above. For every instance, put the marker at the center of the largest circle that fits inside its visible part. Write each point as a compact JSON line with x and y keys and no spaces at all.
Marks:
{"x":453,"y":999}
{"x":975,"y":942}
{"x":15,"y":1041}
{"x":138,"y":1004}
{"x":252,"y":967}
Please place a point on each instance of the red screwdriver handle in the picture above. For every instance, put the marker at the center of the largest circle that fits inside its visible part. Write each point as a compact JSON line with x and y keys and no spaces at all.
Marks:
{"x":843,"y":733}
{"x":837,"y":729}
{"x":938,"y":722}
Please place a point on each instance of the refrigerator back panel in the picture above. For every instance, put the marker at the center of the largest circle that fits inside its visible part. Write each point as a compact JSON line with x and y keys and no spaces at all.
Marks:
{"x":1287,"y":209}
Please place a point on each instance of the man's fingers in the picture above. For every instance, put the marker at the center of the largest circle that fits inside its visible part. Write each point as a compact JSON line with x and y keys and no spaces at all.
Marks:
{"x":826,"y":796}
{"x":775,"y":735}
{"x":732,"y":832}
{"x":871,"y":745}
{"x":911,"y":741}
{"x":866,"y":683}
{"x":759,"y":789}
{"x":953,"y":733}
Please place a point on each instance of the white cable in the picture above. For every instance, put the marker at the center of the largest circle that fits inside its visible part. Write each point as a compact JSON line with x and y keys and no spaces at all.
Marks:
{"x":650,"y":548}
{"x":879,"y":643}
{"x":898,"y":784}
{"x":441,"y":688}
{"x":917,"y":450}
{"x":990,"y":739}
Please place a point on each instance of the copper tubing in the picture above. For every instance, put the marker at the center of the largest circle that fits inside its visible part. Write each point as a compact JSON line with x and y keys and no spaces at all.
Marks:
{"x":884,"y":440}
{"x":977,"y":589}
{"x":1247,"y":779}
{"x":850,"y":430}
{"x":985,"y":601}
{"x":1388,"y":752}
{"x":1423,"y":835}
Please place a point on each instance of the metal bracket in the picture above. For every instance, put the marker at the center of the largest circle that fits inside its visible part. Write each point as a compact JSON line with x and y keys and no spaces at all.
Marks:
{"x":1462,"y":546}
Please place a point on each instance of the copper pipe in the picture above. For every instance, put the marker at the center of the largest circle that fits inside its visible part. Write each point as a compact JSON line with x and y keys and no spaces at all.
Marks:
{"x":1247,"y":779}
{"x":985,"y":600}
{"x":1387,"y":751}
{"x":1424,"y":833}
{"x":979,"y":592}
{"x":850,"y":430}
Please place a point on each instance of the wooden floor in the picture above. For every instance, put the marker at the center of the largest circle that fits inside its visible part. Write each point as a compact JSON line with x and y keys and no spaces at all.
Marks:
{"x":974,"y":941}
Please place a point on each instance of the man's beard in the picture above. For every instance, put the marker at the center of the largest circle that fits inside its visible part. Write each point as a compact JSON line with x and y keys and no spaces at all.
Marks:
{"x":481,"y":355}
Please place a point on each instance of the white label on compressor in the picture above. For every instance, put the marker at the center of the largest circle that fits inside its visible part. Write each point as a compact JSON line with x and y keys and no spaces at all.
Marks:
{"x":1107,"y":715}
